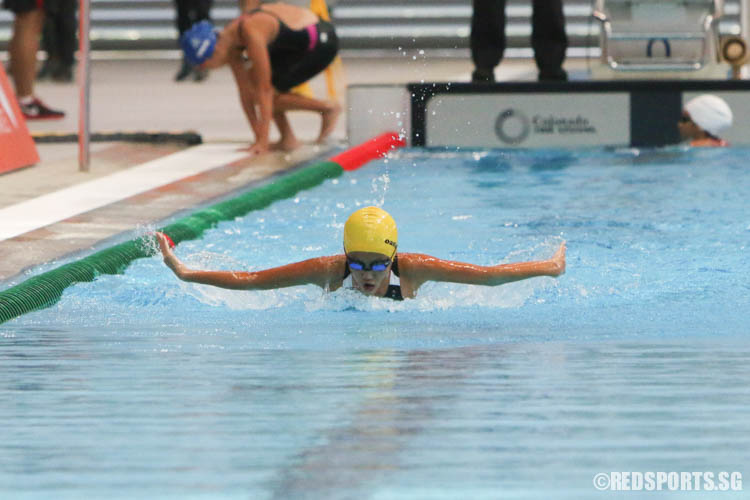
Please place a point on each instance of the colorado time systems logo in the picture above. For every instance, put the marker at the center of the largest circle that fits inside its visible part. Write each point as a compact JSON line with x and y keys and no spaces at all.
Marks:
{"x":513,"y":126}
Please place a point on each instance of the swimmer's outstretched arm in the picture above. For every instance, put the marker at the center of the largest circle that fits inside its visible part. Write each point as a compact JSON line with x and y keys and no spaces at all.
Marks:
{"x":318,"y":271}
{"x":419,"y":269}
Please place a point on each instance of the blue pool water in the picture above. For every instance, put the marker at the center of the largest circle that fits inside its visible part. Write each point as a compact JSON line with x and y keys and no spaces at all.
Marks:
{"x":637,"y":359}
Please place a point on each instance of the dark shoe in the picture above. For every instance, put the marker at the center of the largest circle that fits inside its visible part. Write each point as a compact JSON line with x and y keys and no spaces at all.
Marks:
{"x":557,"y":75}
{"x":37,"y":110}
{"x":199,"y":74}
{"x":483,"y":76}
{"x":185,"y":70}
{"x":63,"y":74}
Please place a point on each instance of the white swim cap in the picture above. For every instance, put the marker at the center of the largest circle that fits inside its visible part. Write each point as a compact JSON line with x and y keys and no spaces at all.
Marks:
{"x":709,"y":112}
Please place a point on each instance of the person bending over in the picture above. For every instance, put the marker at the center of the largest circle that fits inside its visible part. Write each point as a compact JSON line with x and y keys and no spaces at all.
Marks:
{"x":369,"y":264}
{"x":270,"y":49}
{"x":703,"y":119}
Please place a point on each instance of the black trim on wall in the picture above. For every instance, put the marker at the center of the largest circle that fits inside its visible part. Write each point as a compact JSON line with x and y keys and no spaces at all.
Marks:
{"x":653,"y":117}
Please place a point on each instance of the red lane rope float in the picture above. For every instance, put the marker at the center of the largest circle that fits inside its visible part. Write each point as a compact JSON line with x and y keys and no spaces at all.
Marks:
{"x":377,"y":147}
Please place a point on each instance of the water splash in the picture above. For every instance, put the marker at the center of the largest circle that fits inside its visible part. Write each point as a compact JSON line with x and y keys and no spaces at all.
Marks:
{"x":144,"y":233}
{"x":380,"y":187}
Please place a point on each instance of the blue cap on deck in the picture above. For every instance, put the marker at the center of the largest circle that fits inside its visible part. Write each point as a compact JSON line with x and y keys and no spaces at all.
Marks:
{"x":198,"y":43}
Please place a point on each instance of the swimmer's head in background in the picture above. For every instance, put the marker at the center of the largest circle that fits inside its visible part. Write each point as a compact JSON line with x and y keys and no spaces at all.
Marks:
{"x":371,"y":229}
{"x":709,"y":112}
{"x":199,"y":42}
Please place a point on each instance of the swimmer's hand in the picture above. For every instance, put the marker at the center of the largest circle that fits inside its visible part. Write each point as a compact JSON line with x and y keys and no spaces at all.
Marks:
{"x":558,"y":261}
{"x":170,"y":259}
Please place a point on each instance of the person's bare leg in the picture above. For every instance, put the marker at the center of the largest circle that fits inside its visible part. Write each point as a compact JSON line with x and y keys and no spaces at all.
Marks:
{"x":288,"y":141}
{"x":328,"y":121}
{"x":24,"y":45}
{"x":329,"y":110}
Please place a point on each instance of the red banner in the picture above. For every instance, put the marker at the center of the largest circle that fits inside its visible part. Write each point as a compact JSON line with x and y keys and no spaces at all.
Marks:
{"x":17,"y":148}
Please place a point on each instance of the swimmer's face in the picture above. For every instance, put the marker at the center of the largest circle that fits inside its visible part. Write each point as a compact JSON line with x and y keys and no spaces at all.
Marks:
{"x":688,"y":130}
{"x":370,"y":272}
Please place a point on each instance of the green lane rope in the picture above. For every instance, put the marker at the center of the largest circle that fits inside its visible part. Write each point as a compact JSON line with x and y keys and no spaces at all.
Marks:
{"x":46,"y":289}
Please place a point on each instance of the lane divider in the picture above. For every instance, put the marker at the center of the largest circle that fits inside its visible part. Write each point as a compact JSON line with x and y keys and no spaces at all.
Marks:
{"x":355,"y":157}
{"x":46,"y":289}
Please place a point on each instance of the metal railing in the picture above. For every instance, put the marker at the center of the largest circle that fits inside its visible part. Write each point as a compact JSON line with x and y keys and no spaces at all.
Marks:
{"x":149,"y":25}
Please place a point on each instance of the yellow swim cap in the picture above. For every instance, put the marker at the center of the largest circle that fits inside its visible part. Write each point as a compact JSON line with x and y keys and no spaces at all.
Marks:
{"x":371,"y":229}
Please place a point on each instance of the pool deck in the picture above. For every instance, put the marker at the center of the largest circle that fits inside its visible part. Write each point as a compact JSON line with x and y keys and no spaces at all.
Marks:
{"x":140,"y":95}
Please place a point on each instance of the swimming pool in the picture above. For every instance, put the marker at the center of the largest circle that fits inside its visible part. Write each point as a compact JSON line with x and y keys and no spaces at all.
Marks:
{"x":140,"y":385}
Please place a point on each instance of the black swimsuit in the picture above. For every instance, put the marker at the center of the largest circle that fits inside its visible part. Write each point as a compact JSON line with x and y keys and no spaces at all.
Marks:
{"x":394,"y":291}
{"x":298,"y":55}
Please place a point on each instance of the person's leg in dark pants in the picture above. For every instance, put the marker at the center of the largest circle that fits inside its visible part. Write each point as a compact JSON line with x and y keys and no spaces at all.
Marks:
{"x":190,"y":12}
{"x":548,"y":39}
{"x":67,"y":28}
{"x":59,"y":39}
{"x":49,"y":45}
{"x":487,"y":38}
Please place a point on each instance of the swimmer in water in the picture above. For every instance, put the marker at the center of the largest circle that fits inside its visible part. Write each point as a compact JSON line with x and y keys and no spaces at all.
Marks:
{"x":703,"y":119}
{"x":270,"y":49}
{"x":369,"y":264}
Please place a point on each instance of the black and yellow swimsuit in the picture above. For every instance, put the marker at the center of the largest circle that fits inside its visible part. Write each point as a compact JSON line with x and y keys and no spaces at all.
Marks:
{"x":298,"y":55}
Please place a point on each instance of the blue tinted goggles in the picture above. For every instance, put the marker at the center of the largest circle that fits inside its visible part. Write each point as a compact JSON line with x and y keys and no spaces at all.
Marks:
{"x":378,"y":265}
